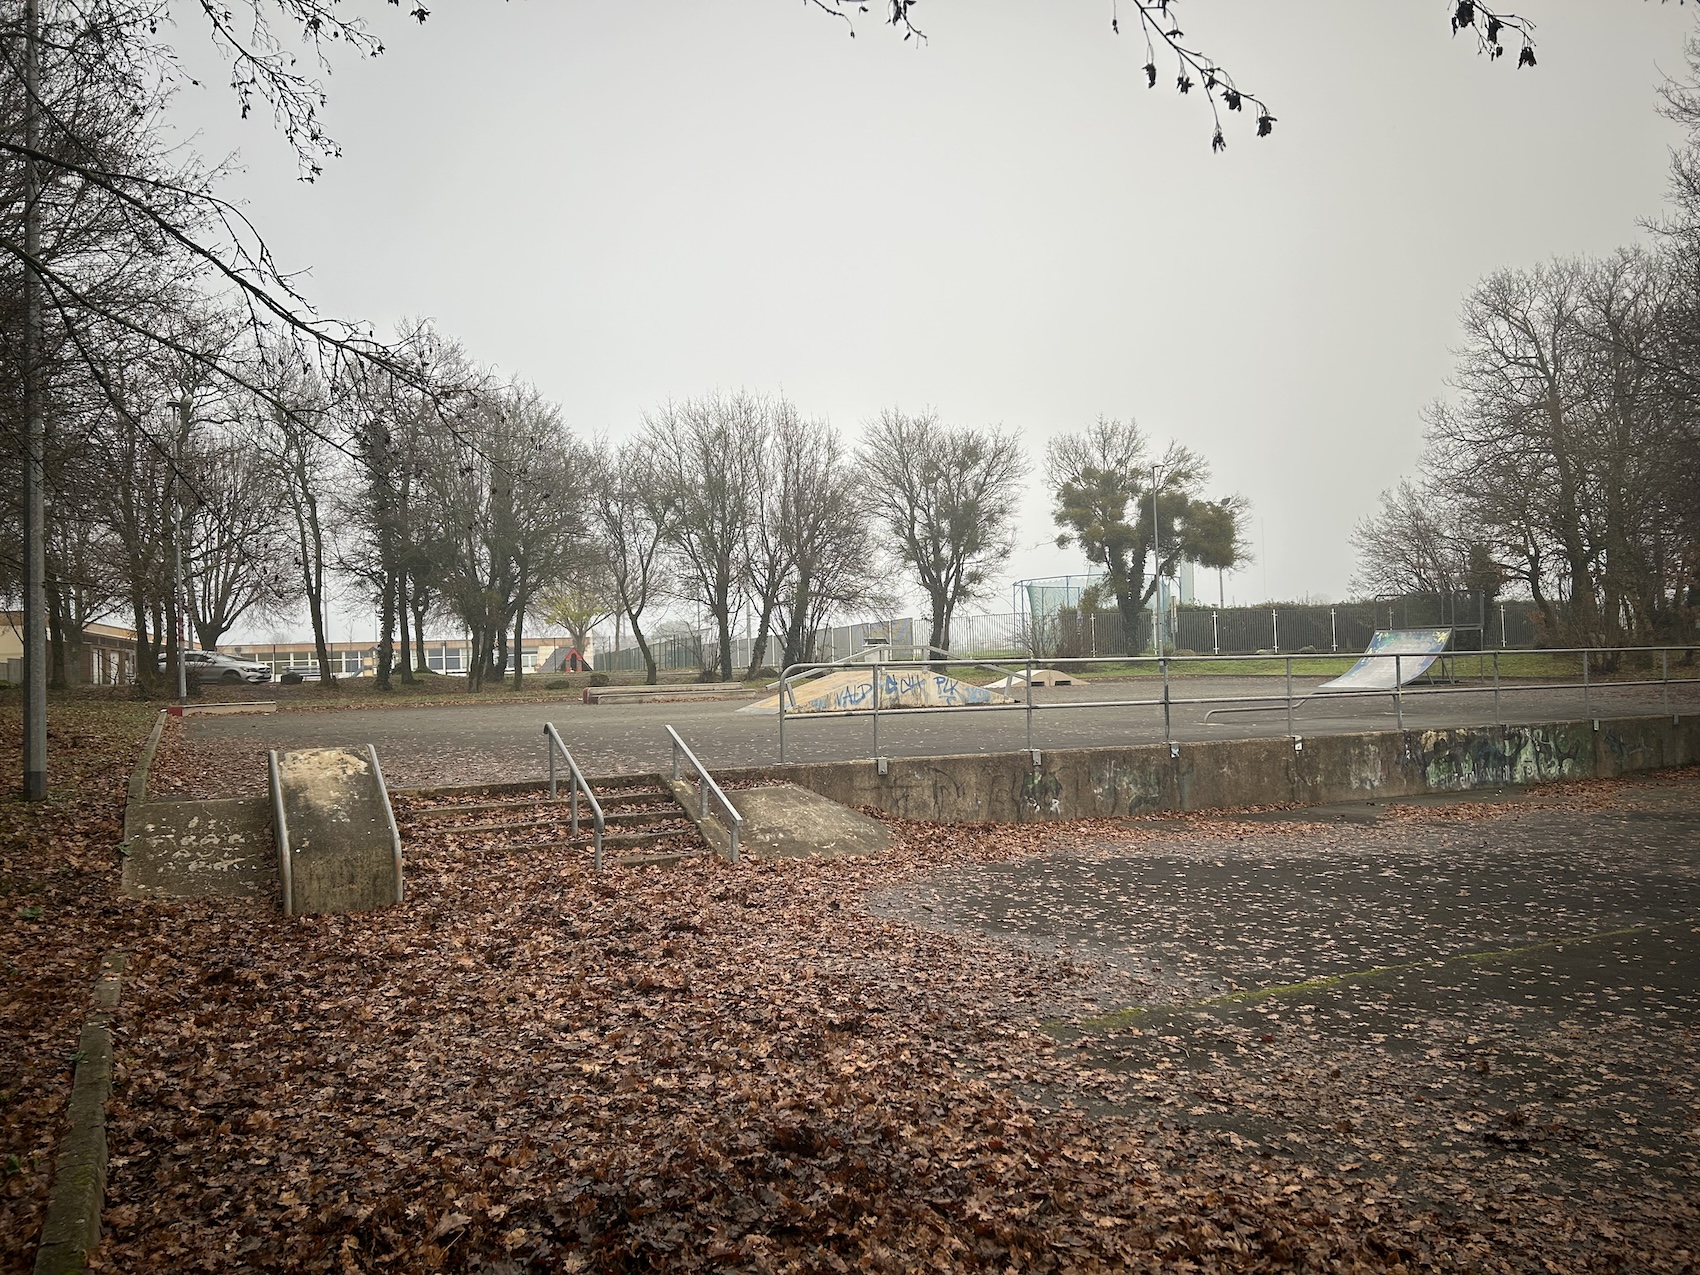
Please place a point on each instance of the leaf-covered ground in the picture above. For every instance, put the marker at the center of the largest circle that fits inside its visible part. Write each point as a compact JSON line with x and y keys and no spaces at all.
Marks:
{"x":58,"y":868}
{"x":775,"y":1066}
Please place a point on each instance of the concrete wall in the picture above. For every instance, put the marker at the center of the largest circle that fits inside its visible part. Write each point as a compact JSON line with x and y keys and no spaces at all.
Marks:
{"x":1225,"y":774}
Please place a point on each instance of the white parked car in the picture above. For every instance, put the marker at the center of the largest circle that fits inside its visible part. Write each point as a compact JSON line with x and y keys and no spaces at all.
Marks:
{"x":211,"y":666}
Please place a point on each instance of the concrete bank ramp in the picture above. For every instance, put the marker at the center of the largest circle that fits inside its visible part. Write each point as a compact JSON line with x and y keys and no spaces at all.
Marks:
{"x":787,"y":822}
{"x":337,"y":844}
{"x":855,"y":688}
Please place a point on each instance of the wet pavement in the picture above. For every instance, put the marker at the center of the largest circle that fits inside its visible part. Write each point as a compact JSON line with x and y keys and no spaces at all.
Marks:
{"x":1453,"y":1003}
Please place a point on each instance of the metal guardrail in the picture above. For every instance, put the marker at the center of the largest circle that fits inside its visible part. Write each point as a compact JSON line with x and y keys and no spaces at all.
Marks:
{"x":285,"y":869}
{"x":705,"y":787}
{"x":1488,"y":674}
{"x":579,"y":784}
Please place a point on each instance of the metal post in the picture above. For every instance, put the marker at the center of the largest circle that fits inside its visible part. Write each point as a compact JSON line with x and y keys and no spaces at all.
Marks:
{"x":1157,"y":567}
{"x":35,"y":439}
{"x":1029,"y":703}
{"x":675,"y":759}
{"x":575,"y":805}
{"x":1497,"y":720}
{"x":1275,"y":627}
{"x":549,"y":744}
{"x":1333,"y":631}
{"x":1398,"y":692}
{"x":1587,"y":699}
{"x":1215,"y":635}
{"x":1163,"y":662}
{"x":1289,"y":696}
{"x":876,"y":679}
{"x":1664,"y":678}
{"x":1502,"y":640}
{"x":783,"y":676}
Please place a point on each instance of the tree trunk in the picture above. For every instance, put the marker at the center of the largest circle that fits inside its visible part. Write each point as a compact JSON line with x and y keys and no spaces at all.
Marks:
{"x":406,"y":654}
{"x":519,"y":642}
{"x":723,"y":631}
{"x":759,"y":648}
{"x":56,"y":679}
{"x":421,"y":599}
{"x":652,"y":675}
{"x":386,"y":636}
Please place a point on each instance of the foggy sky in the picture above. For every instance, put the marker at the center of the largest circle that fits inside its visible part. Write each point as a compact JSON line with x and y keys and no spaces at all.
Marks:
{"x":629,"y":202}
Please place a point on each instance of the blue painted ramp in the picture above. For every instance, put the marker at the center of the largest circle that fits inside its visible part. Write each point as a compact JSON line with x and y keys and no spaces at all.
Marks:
{"x":1377,"y":670}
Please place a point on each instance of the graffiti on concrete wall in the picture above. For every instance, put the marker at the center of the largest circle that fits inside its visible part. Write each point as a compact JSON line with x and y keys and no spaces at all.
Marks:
{"x":1454,"y":760}
{"x":898,"y":688}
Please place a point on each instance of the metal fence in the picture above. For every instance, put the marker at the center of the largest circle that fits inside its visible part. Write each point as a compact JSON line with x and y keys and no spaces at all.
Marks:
{"x":1280,"y":629}
{"x":1477,"y":673}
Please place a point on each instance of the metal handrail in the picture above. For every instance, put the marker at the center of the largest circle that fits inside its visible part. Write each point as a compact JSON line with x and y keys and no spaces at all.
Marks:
{"x":706,"y":786}
{"x":579,"y":783}
{"x":389,"y":813}
{"x":285,"y":870}
{"x":1589,"y":685}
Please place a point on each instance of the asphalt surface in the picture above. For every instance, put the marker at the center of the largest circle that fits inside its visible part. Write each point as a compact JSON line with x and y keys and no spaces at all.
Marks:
{"x":485,"y":743}
{"x":1457,"y":1001}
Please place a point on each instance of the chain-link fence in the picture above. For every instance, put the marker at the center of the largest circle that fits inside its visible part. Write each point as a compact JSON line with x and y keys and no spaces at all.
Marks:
{"x":1477,"y":624}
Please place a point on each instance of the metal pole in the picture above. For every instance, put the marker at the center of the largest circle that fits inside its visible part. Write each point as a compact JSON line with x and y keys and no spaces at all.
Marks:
{"x":1215,"y":635}
{"x":179,"y":593}
{"x":1587,"y":699}
{"x":1664,"y":678}
{"x":575,"y":805}
{"x":1502,"y":641}
{"x":1029,"y":713}
{"x":1275,"y":627}
{"x":1333,"y":631}
{"x":783,"y":676}
{"x":675,"y":758}
{"x":35,"y":440}
{"x":1398,"y":692}
{"x":1289,"y":696}
{"x":1163,"y":662}
{"x":1157,"y":567}
{"x":1497,"y":720}
{"x":876,"y":679}
{"x":549,"y":745}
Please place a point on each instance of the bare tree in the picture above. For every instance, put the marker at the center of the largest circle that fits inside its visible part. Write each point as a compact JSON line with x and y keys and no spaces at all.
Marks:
{"x":824,"y":534}
{"x":630,"y":516}
{"x":944,"y":500}
{"x":705,"y":455}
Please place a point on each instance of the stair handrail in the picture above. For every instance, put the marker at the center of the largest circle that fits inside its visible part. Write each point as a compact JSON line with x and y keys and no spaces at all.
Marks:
{"x":705,"y":787}
{"x":579,"y":783}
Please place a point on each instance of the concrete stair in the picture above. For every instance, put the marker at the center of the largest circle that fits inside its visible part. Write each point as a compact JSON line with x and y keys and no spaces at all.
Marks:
{"x":643,"y":824}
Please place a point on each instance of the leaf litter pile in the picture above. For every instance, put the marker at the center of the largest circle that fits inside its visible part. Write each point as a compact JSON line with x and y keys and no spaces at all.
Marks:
{"x":774,"y":1066}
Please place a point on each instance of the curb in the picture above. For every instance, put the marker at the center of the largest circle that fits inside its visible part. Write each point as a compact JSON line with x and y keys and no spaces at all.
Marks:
{"x":138,"y":792}
{"x":72,"y":1228}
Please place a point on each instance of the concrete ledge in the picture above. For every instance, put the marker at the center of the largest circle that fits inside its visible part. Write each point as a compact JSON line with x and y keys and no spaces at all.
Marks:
{"x":138,"y":794}
{"x":1226,"y":774}
{"x":664,"y":692}
{"x":237,"y":706}
{"x":72,"y":1228}
{"x":1320,"y":770}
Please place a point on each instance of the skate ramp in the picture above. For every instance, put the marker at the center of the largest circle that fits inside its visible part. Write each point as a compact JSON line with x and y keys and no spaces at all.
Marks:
{"x":1379,"y":671}
{"x":853,"y":690}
